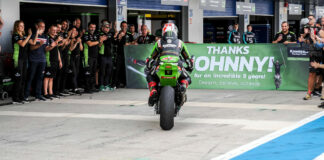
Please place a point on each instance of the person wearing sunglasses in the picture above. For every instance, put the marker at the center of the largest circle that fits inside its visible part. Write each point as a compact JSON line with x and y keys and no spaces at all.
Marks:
{"x":106,"y":58}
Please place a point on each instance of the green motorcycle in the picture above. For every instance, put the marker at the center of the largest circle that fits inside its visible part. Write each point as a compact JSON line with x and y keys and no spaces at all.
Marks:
{"x":171,"y":95}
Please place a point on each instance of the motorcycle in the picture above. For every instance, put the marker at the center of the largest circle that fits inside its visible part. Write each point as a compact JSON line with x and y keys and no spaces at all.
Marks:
{"x":171,"y":95}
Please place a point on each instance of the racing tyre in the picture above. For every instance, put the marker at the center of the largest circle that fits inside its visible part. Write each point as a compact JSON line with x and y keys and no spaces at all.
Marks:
{"x":167,"y":108}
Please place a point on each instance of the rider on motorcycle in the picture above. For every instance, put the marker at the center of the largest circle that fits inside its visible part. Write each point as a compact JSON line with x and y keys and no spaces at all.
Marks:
{"x":277,"y":76}
{"x":277,"y":67}
{"x":169,"y":44}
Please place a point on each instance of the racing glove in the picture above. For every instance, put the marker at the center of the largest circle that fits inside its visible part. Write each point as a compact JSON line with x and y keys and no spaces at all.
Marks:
{"x":190,"y":63}
{"x":149,"y":63}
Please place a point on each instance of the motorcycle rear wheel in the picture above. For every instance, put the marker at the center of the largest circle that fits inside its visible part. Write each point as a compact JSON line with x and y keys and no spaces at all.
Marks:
{"x":167,"y":108}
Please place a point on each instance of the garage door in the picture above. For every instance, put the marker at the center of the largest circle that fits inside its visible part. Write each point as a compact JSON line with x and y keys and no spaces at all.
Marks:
{"x":102,"y":3}
{"x":151,"y":5}
{"x":262,"y":7}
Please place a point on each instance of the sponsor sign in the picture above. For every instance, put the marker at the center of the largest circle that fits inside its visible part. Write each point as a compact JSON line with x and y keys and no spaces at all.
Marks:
{"x":175,"y":2}
{"x":214,"y":5}
{"x":245,"y":8}
{"x":231,"y":66}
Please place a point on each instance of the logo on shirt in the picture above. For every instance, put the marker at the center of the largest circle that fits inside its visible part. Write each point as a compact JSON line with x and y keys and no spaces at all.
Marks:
{"x":38,"y":40}
{"x":17,"y":75}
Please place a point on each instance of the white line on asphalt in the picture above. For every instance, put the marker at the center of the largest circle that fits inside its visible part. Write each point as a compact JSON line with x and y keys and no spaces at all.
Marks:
{"x":267,"y":138}
{"x":255,"y":106}
{"x":195,"y":104}
{"x":320,"y":157}
{"x":263,"y":125}
{"x":93,"y":102}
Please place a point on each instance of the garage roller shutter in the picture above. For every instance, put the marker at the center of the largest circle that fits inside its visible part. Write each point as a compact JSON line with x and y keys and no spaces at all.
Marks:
{"x":80,"y":2}
{"x":262,"y":7}
{"x":150,"y":5}
{"x":229,"y":11}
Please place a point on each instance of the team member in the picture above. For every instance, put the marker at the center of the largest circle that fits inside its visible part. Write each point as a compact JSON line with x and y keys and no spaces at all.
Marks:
{"x":77,"y":23}
{"x":235,"y":35}
{"x":74,"y":55}
{"x":92,"y":42}
{"x":101,"y":34}
{"x":320,"y":36}
{"x":285,"y":36}
{"x":37,"y":61}
{"x":123,"y":38}
{"x":133,"y":32}
{"x":304,"y":36}
{"x":53,"y":61}
{"x":315,"y":56}
{"x":106,"y":64}
{"x":65,"y":27}
{"x":145,"y":38}
{"x":61,"y":77}
{"x":249,"y":36}
{"x":20,"y":58}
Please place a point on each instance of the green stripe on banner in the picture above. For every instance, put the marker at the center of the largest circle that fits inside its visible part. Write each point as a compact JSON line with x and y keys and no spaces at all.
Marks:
{"x":297,"y":59}
{"x":228,"y":66}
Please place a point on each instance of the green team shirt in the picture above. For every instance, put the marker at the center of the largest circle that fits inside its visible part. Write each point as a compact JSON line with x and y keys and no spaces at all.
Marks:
{"x":19,"y":52}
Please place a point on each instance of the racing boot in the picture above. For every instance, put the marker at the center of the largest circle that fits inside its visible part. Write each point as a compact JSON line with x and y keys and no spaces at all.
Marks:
{"x":153,"y":93}
{"x":183,"y":86}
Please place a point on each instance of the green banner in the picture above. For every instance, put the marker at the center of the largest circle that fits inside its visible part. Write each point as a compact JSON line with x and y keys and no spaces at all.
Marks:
{"x":229,"y":66}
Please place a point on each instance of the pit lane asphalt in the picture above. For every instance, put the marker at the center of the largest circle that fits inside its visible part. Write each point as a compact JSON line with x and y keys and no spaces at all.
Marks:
{"x":120,"y":126}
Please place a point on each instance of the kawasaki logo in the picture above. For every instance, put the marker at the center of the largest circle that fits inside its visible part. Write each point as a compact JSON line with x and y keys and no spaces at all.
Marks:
{"x":6,"y":80}
{"x":167,"y":58}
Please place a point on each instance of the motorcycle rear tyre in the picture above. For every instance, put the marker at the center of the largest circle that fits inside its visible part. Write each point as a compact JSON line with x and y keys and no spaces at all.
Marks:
{"x":167,"y":108}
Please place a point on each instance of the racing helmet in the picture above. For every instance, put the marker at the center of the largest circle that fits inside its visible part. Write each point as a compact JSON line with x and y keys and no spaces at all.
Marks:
{"x":170,"y":31}
{"x":303,"y":22}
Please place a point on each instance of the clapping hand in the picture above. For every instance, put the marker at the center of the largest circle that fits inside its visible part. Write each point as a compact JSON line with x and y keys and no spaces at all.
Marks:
{"x":41,"y":42}
{"x":30,"y":32}
{"x":53,"y":44}
{"x":315,"y":64}
{"x":279,"y":38}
